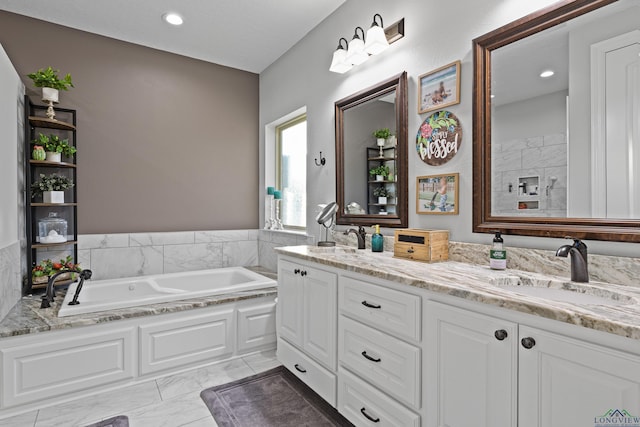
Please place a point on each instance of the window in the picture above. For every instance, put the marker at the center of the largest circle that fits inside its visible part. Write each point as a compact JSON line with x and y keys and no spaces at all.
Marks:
{"x":291,"y":171}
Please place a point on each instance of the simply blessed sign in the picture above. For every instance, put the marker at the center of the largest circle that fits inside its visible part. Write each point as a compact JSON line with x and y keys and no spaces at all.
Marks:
{"x":439,"y":138}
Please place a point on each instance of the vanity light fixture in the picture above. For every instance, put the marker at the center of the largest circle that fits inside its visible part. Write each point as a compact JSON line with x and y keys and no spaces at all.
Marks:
{"x":356,"y":54}
{"x":339,"y":64}
{"x":547,"y":73}
{"x":172,"y":18}
{"x":376,"y":41}
{"x":358,"y":49}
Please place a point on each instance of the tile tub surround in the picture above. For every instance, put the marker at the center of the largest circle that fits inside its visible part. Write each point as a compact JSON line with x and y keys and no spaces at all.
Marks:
{"x":472,"y":282}
{"x":112,"y":256}
{"x":10,"y":290}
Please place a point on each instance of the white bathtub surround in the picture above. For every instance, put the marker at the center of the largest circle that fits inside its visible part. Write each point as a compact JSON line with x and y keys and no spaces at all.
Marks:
{"x":10,"y":291}
{"x":268,"y":240}
{"x":136,"y":254}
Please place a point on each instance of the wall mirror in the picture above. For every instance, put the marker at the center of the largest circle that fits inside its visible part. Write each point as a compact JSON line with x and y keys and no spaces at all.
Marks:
{"x":371,"y":174}
{"x":559,"y":155}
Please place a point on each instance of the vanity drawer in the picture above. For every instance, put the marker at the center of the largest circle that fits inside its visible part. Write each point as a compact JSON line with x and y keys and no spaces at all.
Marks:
{"x":311,"y":373}
{"x":387,"y":362}
{"x":392,"y":311}
{"x":364,"y":405}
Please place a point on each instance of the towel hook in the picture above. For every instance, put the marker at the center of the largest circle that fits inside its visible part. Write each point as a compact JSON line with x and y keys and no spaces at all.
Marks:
{"x":322,"y":160}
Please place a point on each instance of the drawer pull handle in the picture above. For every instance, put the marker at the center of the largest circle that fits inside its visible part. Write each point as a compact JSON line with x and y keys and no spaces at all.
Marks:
{"x":501,"y":334}
{"x":296,"y":271}
{"x":366,"y":304}
{"x":369,"y":417}
{"x":410,"y":250}
{"x":303,"y":273}
{"x":364,"y":353}
{"x":299,"y":369}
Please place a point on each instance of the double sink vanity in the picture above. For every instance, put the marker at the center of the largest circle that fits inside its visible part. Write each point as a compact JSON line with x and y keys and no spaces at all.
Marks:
{"x":394,"y":342}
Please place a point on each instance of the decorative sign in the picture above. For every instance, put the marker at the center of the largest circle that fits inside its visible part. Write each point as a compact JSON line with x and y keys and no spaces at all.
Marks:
{"x":439,"y":138}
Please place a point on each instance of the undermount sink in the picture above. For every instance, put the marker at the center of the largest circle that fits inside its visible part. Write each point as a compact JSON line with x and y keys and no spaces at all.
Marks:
{"x":562,"y":291}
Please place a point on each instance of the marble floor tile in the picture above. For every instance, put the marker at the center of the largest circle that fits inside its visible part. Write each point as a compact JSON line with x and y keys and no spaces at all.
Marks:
{"x":262,"y":361}
{"x":173,"y":412}
{"x":199,"y":379}
{"x":23,"y":420}
{"x":202,"y":422}
{"x":100,"y":406}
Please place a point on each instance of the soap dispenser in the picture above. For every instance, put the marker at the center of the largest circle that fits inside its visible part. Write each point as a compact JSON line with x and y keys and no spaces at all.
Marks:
{"x":497,"y":253}
{"x":377,"y":240}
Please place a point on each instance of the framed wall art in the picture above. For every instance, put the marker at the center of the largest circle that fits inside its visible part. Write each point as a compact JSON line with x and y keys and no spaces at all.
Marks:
{"x":439,"y":88}
{"x":437,"y":194}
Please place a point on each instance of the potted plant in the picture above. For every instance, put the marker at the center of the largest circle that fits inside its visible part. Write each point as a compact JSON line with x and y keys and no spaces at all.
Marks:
{"x":41,"y":272}
{"x":380,"y":172}
{"x":51,"y":86}
{"x":51,"y":187}
{"x":55,"y":147}
{"x":381,"y":136}
{"x":382,"y":193}
{"x":50,"y":83}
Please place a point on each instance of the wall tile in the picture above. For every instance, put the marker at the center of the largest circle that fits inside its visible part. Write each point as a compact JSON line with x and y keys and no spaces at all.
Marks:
{"x":198,"y":256}
{"x":102,"y":241}
{"x":240,"y":254}
{"x":112,"y":263}
{"x":221,"y":236}
{"x":170,"y":238}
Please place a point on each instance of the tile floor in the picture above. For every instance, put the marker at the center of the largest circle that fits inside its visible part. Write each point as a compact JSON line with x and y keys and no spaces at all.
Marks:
{"x":171,"y":401}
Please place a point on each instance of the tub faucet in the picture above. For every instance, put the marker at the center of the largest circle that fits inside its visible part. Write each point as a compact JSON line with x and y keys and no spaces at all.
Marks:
{"x":360,"y":234}
{"x":50,"y":293}
{"x":579,"y":267}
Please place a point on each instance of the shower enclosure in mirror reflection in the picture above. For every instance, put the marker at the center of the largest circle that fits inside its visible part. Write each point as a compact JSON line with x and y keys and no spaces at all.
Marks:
{"x":557,"y":124}
{"x":371,"y":175}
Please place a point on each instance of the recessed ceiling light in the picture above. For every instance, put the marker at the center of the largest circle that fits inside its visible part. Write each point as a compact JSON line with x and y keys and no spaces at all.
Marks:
{"x":172,"y":18}
{"x":546,"y":73}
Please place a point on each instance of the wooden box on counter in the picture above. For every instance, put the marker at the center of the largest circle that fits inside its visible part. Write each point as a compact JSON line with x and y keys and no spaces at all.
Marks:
{"x":421,"y":245}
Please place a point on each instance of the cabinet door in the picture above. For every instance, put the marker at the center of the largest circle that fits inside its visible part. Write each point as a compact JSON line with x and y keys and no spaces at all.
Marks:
{"x":320,"y":315}
{"x":570,"y":383}
{"x":289,"y":302}
{"x":471,"y":363}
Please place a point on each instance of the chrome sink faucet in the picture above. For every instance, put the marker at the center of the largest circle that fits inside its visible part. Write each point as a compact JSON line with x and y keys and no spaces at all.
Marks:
{"x":360,"y":234}
{"x":579,"y":264}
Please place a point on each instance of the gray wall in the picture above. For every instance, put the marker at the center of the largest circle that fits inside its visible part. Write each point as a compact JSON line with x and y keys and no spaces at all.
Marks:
{"x":284,"y":87}
{"x":166,"y":143}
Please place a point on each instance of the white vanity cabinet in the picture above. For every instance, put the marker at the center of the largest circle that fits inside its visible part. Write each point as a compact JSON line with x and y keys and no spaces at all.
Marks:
{"x":379,"y":334}
{"x":505,"y":373}
{"x":564,"y":382}
{"x":471,"y":368}
{"x":307,"y":325}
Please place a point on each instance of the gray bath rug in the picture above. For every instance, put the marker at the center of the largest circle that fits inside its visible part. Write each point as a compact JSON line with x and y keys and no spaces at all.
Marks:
{"x":275,"y":398}
{"x":119,"y":421}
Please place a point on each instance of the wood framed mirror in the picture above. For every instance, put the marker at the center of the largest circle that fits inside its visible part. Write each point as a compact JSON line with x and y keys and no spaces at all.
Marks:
{"x":359,"y":155}
{"x":535,"y":173}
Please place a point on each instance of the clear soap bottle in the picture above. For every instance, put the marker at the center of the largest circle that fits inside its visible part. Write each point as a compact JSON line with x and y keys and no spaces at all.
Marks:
{"x":377,"y":240}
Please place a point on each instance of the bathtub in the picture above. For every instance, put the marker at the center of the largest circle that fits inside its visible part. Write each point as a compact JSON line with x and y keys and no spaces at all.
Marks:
{"x":111,"y":294}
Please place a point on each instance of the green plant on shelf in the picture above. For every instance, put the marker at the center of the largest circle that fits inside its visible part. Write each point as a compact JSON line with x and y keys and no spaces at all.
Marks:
{"x":52,"y":182}
{"x":381,"y":170}
{"x":383,"y":133}
{"x":381,"y":192}
{"x":54,"y":144}
{"x":47,"y":267}
{"x":48,"y":77}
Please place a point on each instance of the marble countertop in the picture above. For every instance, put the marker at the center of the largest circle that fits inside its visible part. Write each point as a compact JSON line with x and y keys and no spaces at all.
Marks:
{"x":26,"y":317}
{"x":601,"y":306}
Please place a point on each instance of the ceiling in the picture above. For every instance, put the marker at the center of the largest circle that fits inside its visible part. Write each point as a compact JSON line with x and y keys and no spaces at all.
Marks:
{"x":244,"y":34}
